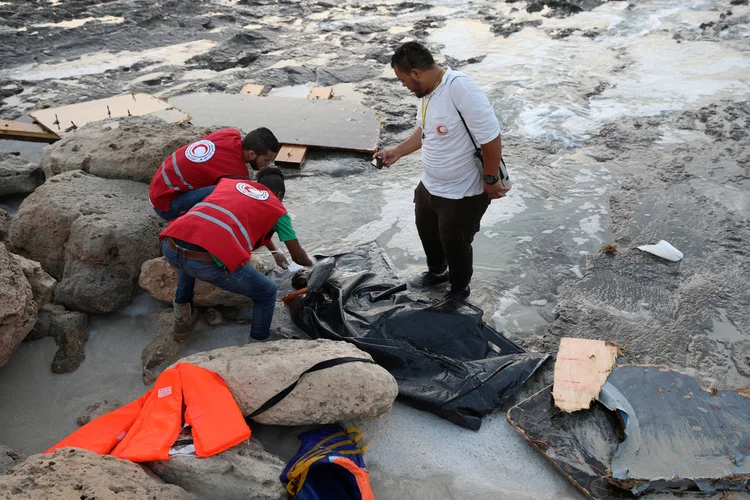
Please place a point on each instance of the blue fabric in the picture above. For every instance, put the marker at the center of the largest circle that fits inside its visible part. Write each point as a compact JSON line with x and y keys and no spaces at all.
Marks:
{"x":246,"y":281}
{"x":184,"y":202}
{"x":325,"y":479}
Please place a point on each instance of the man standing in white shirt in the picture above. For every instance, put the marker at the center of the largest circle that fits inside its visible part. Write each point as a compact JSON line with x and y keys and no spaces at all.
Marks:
{"x":454,"y":192}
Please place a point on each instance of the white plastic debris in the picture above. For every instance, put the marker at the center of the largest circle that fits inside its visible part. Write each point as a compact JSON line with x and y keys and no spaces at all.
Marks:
{"x":664,"y":250}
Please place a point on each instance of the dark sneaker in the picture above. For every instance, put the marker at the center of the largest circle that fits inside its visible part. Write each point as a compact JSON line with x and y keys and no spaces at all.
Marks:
{"x":458,"y":293}
{"x":429,"y":279}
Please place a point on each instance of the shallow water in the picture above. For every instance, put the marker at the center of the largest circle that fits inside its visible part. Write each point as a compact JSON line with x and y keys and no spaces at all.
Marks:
{"x":621,"y":63}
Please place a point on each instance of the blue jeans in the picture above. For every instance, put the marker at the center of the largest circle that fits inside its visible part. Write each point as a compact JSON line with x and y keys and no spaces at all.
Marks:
{"x":246,"y":281}
{"x":184,"y":202}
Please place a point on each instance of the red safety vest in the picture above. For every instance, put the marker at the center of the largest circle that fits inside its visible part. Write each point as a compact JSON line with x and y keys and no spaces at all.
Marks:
{"x":145,"y":430}
{"x":198,"y":165}
{"x":230,"y":222}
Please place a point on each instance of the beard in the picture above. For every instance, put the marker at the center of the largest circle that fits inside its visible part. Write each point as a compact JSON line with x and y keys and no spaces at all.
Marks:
{"x":253,"y":164}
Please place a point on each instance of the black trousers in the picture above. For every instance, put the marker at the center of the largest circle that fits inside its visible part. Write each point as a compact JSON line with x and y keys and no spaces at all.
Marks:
{"x":447,"y":228}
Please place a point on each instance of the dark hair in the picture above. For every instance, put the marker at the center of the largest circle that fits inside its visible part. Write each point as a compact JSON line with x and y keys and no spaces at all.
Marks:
{"x":261,"y":140}
{"x":273,"y":179}
{"x":412,"y":55}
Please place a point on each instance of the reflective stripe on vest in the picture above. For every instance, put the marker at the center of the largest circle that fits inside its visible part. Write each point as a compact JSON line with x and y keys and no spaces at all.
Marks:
{"x":234,"y":218}
{"x":216,"y":221}
{"x":177,"y":171}
{"x":166,"y":179}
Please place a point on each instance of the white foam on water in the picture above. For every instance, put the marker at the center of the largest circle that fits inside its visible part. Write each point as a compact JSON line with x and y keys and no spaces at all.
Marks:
{"x":407,"y":443}
{"x":592,"y":226}
{"x":576,"y":270}
{"x":504,"y":209}
{"x":99,"y":62}
{"x":339,"y":197}
{"x":75,"y":23}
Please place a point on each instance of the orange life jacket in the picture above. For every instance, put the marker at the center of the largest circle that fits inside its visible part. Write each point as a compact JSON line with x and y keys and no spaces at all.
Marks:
{"x":145,"y":430}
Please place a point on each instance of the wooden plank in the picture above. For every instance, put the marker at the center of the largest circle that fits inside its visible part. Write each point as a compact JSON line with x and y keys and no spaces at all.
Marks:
{"x":581,"y":368}
{"x":254,"y":89}
{"x":320,"y":93}
{"x":319,"y":123}
{"x":25,"y":131}
{"x":66,"y":119}
{"x":291,"y":156}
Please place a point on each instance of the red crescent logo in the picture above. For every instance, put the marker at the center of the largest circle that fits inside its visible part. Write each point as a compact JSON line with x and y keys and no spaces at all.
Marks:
{"x":442,"y":129}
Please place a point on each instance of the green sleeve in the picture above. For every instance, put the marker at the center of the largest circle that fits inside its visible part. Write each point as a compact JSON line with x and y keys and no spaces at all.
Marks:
{"x":284,"y":229}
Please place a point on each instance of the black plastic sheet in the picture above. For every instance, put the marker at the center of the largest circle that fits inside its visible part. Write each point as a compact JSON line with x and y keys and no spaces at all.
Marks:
{"x":446,"y":360}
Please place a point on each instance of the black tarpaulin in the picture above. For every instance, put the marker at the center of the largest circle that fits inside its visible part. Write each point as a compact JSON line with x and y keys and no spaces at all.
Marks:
{"x":445,"y":358}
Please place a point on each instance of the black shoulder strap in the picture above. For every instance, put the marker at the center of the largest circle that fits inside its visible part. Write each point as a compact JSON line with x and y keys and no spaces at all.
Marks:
{"x":477,"y":148}
{"x":471,"y":137}
{"x":320,"y":366}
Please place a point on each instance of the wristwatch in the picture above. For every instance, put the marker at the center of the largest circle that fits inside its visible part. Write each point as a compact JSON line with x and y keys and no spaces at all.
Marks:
{"x":491,"y":179}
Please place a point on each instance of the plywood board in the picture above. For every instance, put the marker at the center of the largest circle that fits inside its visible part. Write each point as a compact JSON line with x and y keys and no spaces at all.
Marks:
{"x":66,"y":119}
{"x":25,"y":131}
{"x":679,"y":435}
{"x":291,"y":156}
{"x":580,"y":445}
{"x":581,"y":368}
{"x":305,"y":122}
{"x":253,"y":89}
{"x":320,"y":93}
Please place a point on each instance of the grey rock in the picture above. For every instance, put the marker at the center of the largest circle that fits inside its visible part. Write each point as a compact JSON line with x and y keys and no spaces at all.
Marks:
{"x":239,"y":51}
{"x":348,"y":74}
{"x":5,"y":220}
{"x":128,"y":148}
{"x":70,"y":330}
{"x":161,"y":352}
{"x":96,"y":410}
{"x":42,"y":284}
{"x":74,"y":473}
{"x":8,"y":459}
{"x":92,"y":234}
{"x":242,"y":472}
{"x":18,"y":176}
{"x":256,"y":372}
{"x":18,"y":311}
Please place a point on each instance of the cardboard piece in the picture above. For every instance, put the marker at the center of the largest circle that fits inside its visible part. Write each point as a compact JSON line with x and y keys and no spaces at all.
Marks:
{"x":581,"y":369}
{"x":319,"y":123}
{"x":320,"y":93}
{"x":291,"y":156}
{"x":25,"y":132}
{"x":254,"y":89}
{"x":65,"y":119}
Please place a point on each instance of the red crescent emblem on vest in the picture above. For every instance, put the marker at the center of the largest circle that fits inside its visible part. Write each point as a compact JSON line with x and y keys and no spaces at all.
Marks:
{"x":201,"y":151}
{"x":442,"y":129}
{"x":252,"y":192}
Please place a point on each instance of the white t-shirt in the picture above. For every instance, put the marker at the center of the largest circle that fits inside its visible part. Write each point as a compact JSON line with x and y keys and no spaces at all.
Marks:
{"x":447,"y":150}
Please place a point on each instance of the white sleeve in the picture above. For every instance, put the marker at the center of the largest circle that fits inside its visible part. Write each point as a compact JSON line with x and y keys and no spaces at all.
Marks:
{"x":475,"y":108}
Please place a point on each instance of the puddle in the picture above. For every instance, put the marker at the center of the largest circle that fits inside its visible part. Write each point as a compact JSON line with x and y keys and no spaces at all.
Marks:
{"x":99,"y":62}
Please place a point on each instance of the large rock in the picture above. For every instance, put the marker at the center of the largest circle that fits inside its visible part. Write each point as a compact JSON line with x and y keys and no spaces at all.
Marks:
{"x":18,"y":310}
{"x":42,"y":284}
{"x":8,"y":459}
{"x":96,"y":410}
{"x":18,"y":176}
{"x":129,"y":148}
{"x":257,"y":372}
{"x":5,"y":220}
{"x":71,"y":473}
{"x":91,"y":234}
{"x":243,"y":472}
{"x":159,"y":280}
{"x":70,"y":330}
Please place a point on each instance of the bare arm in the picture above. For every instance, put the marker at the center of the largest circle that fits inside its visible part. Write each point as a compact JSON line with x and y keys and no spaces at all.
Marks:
{"x":298,"y":253}
{"x":492,"y":152}
{"x":391,"y":156}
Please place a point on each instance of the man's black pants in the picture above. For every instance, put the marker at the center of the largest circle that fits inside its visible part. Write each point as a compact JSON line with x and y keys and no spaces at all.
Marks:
{"x":447,"y":228}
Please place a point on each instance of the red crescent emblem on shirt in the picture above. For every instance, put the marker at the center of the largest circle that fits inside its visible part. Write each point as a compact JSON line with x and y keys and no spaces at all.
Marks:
{"x":442,"y":129}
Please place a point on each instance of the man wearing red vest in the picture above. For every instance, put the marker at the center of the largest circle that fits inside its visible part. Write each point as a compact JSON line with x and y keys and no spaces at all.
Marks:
{"x":213,"y":242}
{"x":190,"y":174}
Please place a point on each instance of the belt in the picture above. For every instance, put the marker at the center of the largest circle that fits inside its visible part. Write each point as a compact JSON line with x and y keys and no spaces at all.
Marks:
{"x":189,"y":254}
